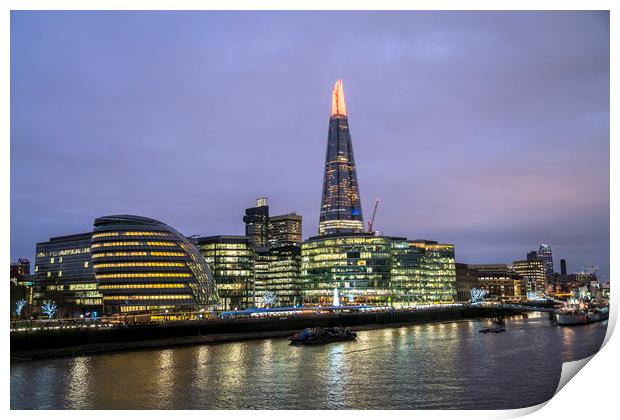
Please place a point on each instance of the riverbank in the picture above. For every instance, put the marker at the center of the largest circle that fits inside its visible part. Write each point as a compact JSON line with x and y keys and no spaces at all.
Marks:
{"x":42,"y":344}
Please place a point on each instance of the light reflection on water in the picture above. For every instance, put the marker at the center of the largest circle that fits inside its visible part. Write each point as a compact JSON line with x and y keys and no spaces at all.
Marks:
{"x":447,"y":365}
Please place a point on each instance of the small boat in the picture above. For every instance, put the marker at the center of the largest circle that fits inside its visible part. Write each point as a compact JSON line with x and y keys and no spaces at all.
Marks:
{"x":323,"y":335}
{"x":492,"y":330}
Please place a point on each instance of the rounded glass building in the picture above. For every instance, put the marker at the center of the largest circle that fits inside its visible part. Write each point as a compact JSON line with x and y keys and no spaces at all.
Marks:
{"x":143,"y":264}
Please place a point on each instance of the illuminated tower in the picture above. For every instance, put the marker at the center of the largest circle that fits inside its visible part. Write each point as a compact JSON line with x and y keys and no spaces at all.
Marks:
{"x":341,"y":211}
{"x":545,"y":254}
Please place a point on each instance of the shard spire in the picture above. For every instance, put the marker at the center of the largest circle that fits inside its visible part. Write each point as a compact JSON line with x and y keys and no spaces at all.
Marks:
{"x":338,"y":105}
{"x":341,"y":210}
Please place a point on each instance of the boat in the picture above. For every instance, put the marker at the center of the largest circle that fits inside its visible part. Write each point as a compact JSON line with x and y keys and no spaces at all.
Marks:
{"x":323,"y":335}
{"x":582,"y":316}
{"x":497,"y":329}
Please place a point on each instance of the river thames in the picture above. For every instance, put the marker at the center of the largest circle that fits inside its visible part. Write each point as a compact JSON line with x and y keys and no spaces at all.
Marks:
{"x":432,"y":366}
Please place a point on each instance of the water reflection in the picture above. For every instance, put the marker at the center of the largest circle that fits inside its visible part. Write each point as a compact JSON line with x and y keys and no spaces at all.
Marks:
{"x":78,"y":389}
{"x":444,"y":365}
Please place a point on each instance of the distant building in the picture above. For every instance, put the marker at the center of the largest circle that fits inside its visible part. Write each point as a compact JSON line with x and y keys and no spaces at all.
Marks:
{"x":466,"y":279}
{"x":376,"y":270}
{"x":500,"y":281}
{"x":533,"y":270}
{"x":563,"y":267}
{"x":231,"y":259}
{"x":256,"y":221}
{"x":64,"y":274}
{"x":20,"y":268}
{"x":545,"y":254}
{"x":284,"y":230}
{"x":21,"y":287}
{"x":341,"y":209}
{"x":142,"y":264}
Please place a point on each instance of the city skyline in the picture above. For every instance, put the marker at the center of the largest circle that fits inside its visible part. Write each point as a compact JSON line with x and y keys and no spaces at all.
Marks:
{"x":546,"y":180}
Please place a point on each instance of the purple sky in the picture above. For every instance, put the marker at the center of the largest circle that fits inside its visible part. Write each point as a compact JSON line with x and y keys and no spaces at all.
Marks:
{"x":486,"y":130}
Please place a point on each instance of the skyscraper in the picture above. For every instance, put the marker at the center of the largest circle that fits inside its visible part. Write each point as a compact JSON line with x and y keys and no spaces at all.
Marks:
{"x":341,"y":210}
{"x":256,"y":221}
{"x":544,"y":253}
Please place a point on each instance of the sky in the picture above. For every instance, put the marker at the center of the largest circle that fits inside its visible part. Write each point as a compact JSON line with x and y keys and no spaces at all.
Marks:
{"x":488,"y":130}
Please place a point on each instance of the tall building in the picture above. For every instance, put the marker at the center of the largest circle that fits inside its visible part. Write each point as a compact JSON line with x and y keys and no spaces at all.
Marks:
{"x":142,"y":264}
{"x":256,"y":221}
{"x":64,"y":274}
{"x":376,"y":270}
{"x":563,"y":267}
{"x":285,"y":230}
{"x":231,"y":259}
{"x":533,"y":270}
{"x":341,"y":210}
{"x":545,"y":254}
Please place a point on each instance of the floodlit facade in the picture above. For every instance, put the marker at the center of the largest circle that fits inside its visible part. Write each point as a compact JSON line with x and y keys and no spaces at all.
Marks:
{"x":341,"y":209}
{"x":376,"y":270}
{"x":231,"y":259}
{"x":142,"y":264}
{"x":63,"y":273}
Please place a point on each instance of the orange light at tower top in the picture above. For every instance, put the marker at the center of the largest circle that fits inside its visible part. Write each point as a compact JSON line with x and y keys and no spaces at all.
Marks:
{"x":338,"y":105}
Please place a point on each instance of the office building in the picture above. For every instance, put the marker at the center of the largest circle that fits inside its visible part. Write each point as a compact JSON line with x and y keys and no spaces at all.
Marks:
{"x":64,"y":273}
{"x":285,"y":230}
{"x":501,"y":282}
{"x":563,"y":267}
{"x":142,"y":264}
{"x":231,"y":259}
{"x":376,"y":270}
{"x":256,"y":221}
{"x":421,"y":272}
{"x":341,"y":210}
{"x":534,"y":270}
{"x":278,"y":276}
{"x":466,"y":279}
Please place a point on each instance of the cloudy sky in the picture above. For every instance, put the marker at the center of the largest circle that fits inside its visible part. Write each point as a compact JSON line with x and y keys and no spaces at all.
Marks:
{"x":486,"y":130}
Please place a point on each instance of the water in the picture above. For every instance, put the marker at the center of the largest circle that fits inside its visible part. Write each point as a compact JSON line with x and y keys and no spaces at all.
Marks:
{"x":434,"y":366}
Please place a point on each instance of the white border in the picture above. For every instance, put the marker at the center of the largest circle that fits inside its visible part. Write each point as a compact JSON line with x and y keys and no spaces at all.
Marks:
{"x":589,"y":394}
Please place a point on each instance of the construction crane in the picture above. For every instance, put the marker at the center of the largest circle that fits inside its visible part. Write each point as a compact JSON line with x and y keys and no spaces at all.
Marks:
{"x":372,"y":219}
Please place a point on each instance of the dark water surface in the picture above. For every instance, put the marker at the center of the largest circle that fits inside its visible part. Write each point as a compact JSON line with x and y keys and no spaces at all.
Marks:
{"x":431,"y":366}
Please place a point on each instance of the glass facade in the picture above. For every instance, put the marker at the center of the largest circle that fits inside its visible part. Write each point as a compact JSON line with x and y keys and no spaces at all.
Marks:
{"x":545,"y":254}
{"x":376,"y":270}
{"x":278,"y":277}
{"x":142,"y":264}
{"x":422,"y":272}
{"x":341,"y":209}
{"x":231,"y":259}
{"x":64,"y":273}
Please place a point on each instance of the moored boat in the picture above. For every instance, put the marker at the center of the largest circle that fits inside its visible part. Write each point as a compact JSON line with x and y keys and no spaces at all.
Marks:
{"x":582,"y":316}
{"x":323,"y":335}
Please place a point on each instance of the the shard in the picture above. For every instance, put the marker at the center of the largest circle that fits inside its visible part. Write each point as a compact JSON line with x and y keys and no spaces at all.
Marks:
{"x":341,"y":211}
